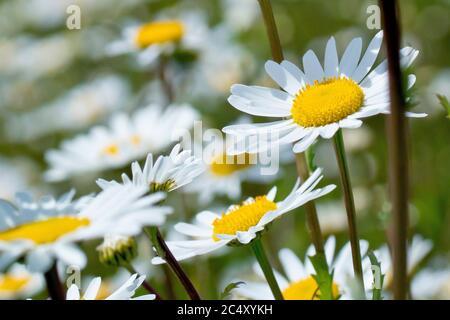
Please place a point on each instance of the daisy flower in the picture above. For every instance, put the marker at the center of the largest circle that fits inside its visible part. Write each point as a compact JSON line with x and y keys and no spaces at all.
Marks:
{"x":18,"y":282}
{"x":127,"y":138}
{"x":241,"y":223}
{"x":431,"y":284}
{"x":45,"y":230}
{"x":125,"y":292}
{"x":299,"y":283}
{"x":319,"y":100}
{"x":161,"y":36}
{"x":166,"y":174}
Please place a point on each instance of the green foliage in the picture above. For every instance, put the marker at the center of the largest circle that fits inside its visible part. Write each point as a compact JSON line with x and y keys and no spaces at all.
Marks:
{"x":444,"y":103}
{"x":323,"y":277}
{"x":227,"y":291}
{"x":378,"y":277}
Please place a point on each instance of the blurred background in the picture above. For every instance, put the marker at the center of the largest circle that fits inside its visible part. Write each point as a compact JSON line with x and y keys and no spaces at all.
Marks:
{"x":56,"y":83}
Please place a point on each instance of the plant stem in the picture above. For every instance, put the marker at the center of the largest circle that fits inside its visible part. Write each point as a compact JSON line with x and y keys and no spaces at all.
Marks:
{"x":163,"y":251}
{"x":145,"y":284}
{"x":300,"y":159}
{"x":397,"y":150}
{"x":261,"y":256}
{"x":165,"y":83}
{"x":54,"y":286}
{"x":339,"y":148}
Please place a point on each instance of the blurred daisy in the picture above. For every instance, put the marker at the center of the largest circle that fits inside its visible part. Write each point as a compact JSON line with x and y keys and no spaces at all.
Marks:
{"x":45,"y":230}
{"x":19,"y":283}
{"x":418,"y":249}
{"x":125,"y":292}
{"x":319,"y":100}
{"x":241,"y":223}
{"x":299,"y":283}
{"x":166,"y":174}
{"x":161,"y":36}
{"x":127,"y":138}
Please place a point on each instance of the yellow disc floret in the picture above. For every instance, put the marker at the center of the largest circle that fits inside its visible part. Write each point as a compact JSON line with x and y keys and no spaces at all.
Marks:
{"x":12,"y":284}
{"x":159,"y":32}
{"x":306,"y":289}
{"x":326,"y":102}
{"x":44,"y":231}
{"x":243,"y":217}
{"x":225,"y":165}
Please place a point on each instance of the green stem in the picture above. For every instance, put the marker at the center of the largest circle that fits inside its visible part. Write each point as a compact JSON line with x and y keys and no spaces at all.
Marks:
{"x":54,"y":286}
{"x":145,"y":284}
{"x":261,"y":256}
{"x":339,"y":148}
{"x":164,"y":252}
{"x":397,"y":150}
{"x":300,"y":159}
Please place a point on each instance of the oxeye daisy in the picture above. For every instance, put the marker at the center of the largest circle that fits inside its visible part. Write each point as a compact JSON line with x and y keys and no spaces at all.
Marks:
{"x":317,"y":101}
{"x":127,"y":138}
{"x":299,"y":283}
{"x":18,"y":282}
{"x":161,"y":36}
{"x":166,"y":174}
{"x":241,"y":223}
{"x":125,"y":292}
{"x":44,"y":231}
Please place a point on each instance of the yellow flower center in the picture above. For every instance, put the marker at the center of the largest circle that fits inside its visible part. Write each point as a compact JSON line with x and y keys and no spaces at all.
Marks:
{"x":10,"y":283}
{"x":242,"y":217}
{"x":135,"y":139}
{"x":111,"y":150}
{"x":326,"y":102}
{"x":306,"y":289}
{"x":44,"y":231}
{"x":225,"y":165}
{"x":159,"y":32}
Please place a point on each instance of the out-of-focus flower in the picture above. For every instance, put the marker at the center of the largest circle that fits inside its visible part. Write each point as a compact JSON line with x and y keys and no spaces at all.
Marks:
{"x":19,"y":283}
{"x":166,"y":174}
{"x":81,"y":106}
{"x":16,"y":176}
{"x":431,"y":284}
{"x":318,"y":101}
{"x":241,"y":223}
{"x":240,"y":15}
{"x":125,"y":292}
{"x":127,"y":138}
{"x":299,"y":284}
{"x":45,"y":230}
{"x":161,"y":36}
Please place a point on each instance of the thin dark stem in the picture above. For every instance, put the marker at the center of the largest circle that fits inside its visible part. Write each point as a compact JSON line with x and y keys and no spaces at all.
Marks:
{"x":339,"y":148}
{"x":165,"y":253}
{"x":170,"y":291}
{"x":145,"y":284}
{"x":398,"y":152}
{"x":165,"y":83}
{"x":300,"y":159}
{"x":54,"y":286}
{"x":261,"y":256}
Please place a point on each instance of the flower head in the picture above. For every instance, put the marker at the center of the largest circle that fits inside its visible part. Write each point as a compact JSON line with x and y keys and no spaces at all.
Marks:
{"x":317,"y":101}
{"x":241,"y":223}
{"x":18,"y":282}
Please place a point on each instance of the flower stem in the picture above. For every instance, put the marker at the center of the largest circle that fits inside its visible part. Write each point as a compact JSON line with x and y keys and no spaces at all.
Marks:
{"x":145,"y":284}
{"x":300,"y":159}
{"x":165,"y":83}
{"x":397,"y":150}
{"x":54,"y":286}
{"x":339,"y":148}
{"x":163,"y":251}
{"x":261,"y":256}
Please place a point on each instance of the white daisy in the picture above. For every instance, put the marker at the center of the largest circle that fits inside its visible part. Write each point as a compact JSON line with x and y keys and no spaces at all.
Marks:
{"x":241,"y":223}
{"x":161,"y":36}
{"x":18,"y":283}
{"x":45,"y":230}
{"x":431,"y":284}
{"x":299,"y":283}
{"x":127,"y":138}
{"x":125,"y":292}
{"x":319,"y":100}
{"x":166,"y":174}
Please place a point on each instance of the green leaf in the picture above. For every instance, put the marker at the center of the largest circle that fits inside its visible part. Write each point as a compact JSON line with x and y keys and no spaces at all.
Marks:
{"x":378,"y":277}
{"x":226,"y":292}
{"x":444,"y":103}
{"x":323,"y":277}
{"x":310,"y":154}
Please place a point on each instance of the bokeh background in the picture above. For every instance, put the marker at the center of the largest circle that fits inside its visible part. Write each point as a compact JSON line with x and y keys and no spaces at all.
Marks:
{"x":56,"y":83}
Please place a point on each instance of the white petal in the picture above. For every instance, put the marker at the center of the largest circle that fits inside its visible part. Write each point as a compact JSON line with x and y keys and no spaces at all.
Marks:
{"x":292,"y":265}
{"x":331,"y":59}
{"x":282,"y":77}
{"x":350,"y":58}
{"x":313,"y":68}
{"x":369,"y":58}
